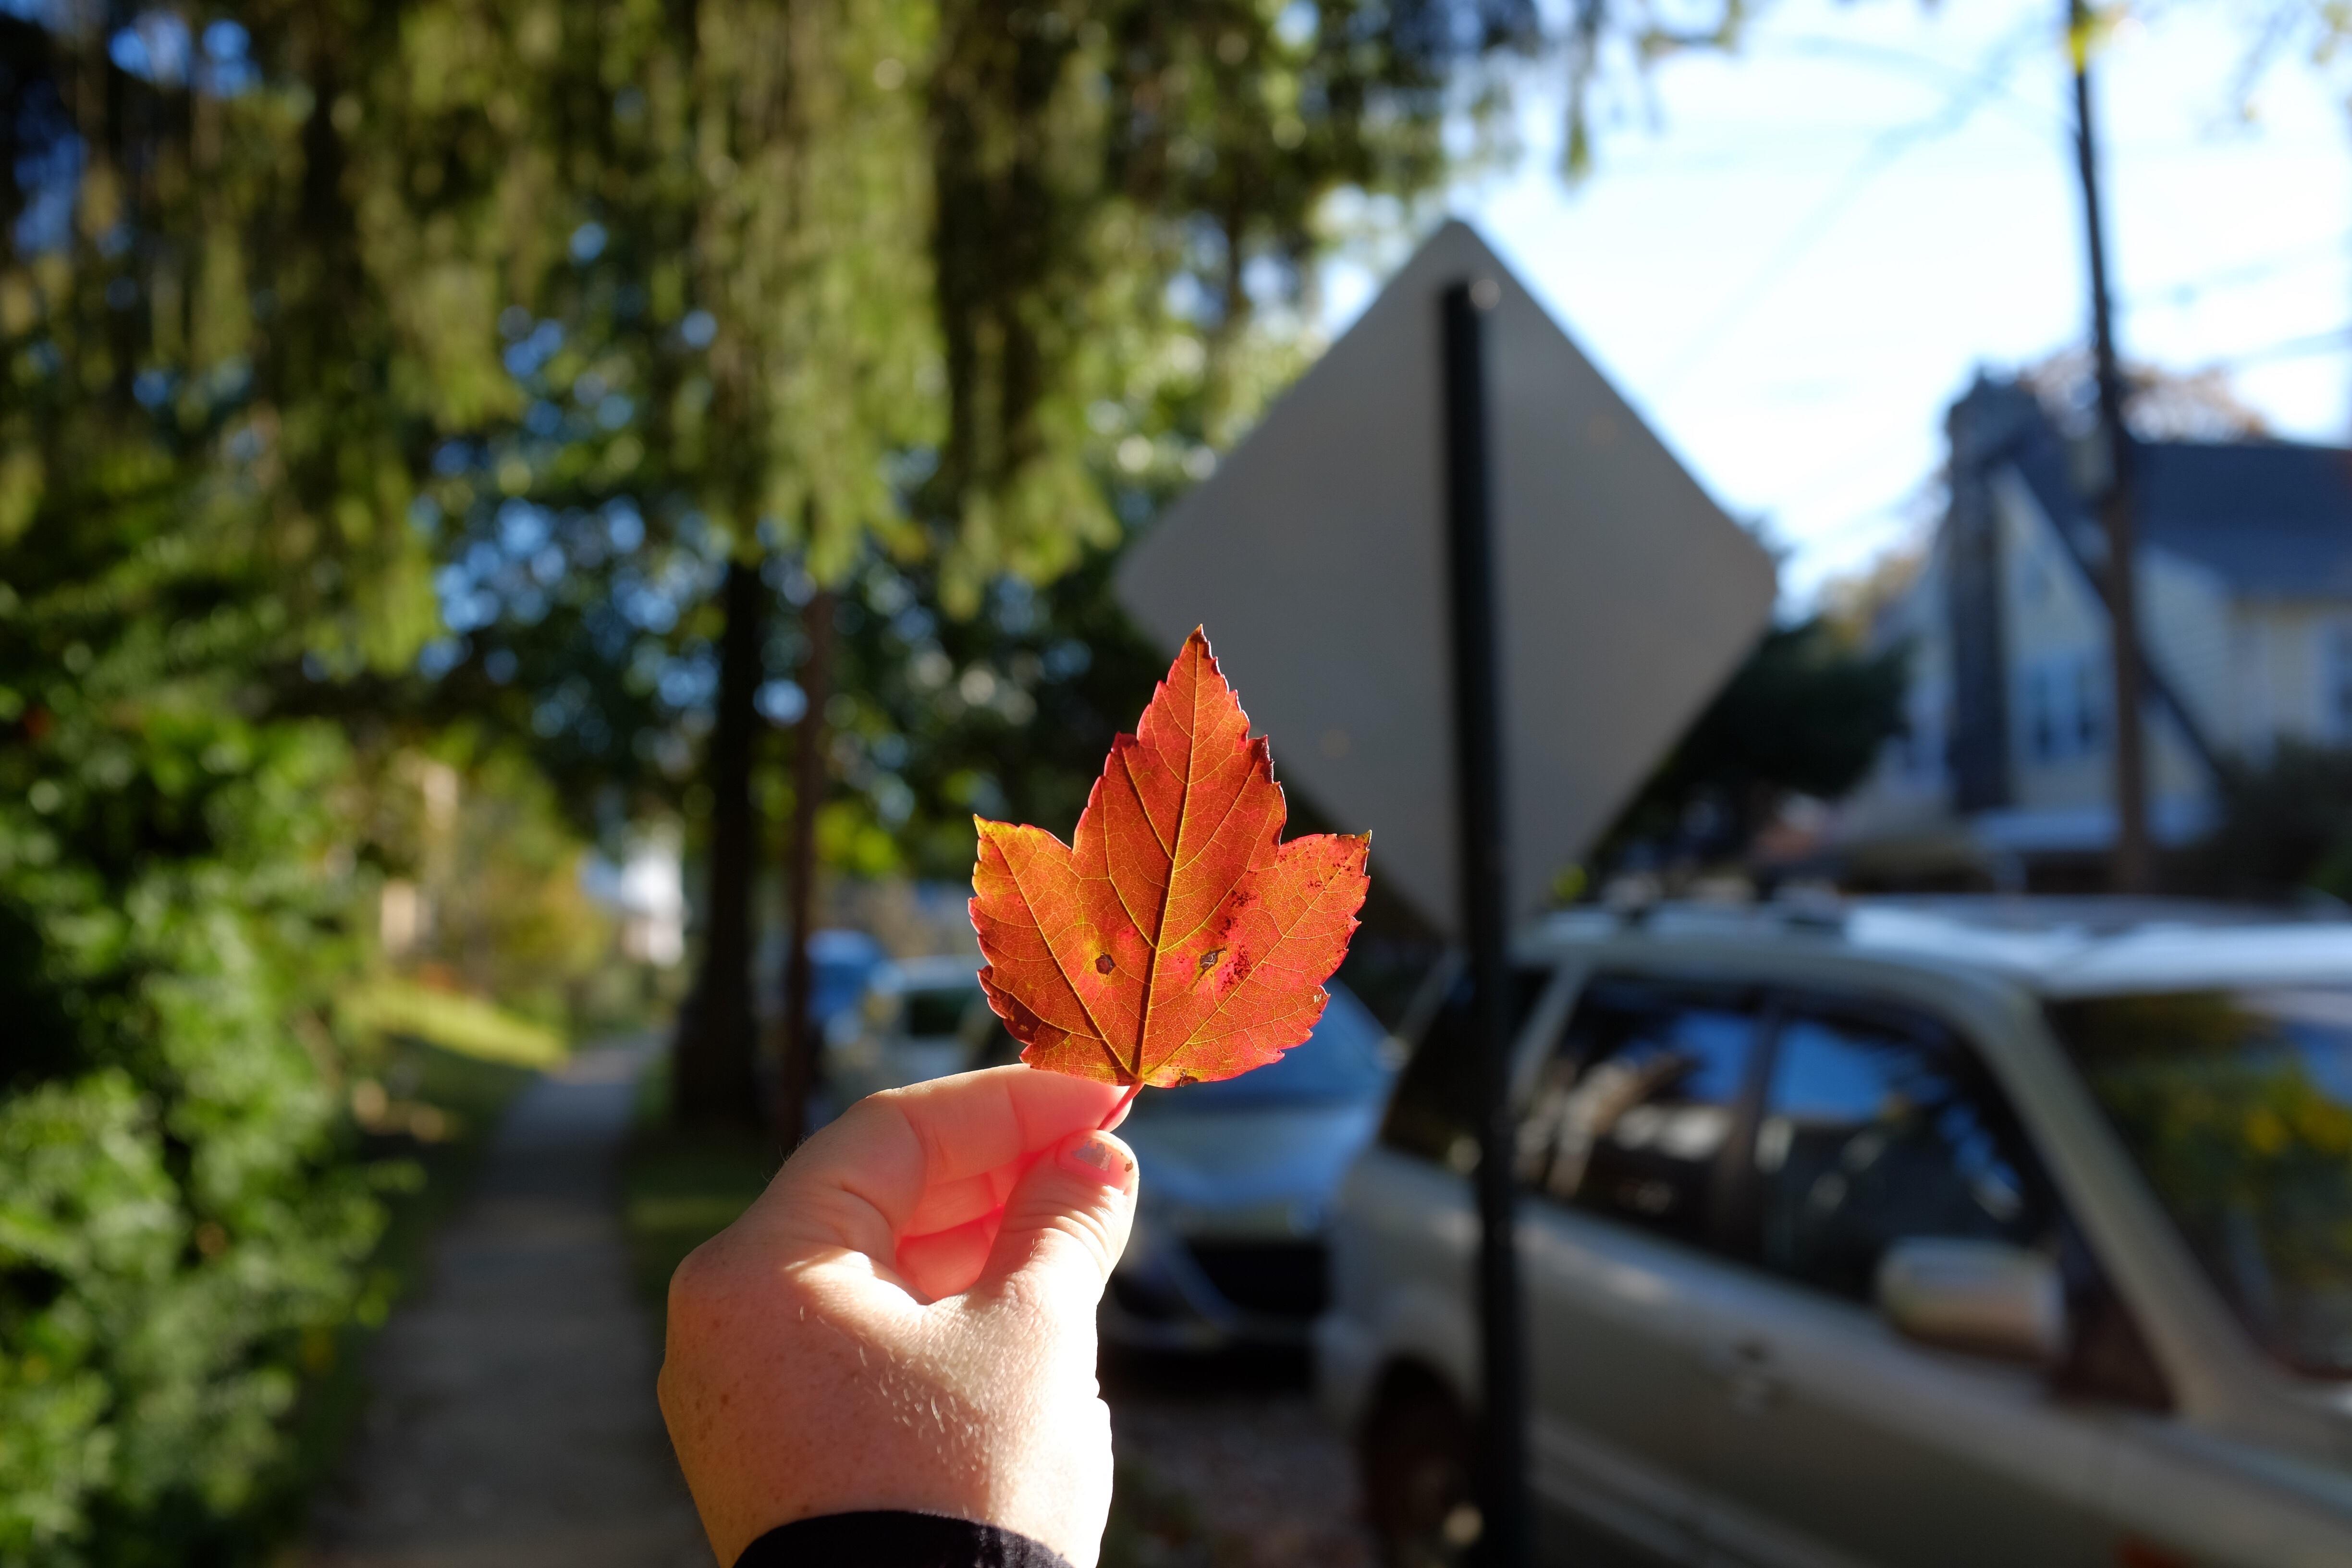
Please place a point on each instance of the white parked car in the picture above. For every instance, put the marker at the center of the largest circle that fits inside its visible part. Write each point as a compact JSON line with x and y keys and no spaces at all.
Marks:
{"x":1915,"y":1234}
{"x":1238,"y":1178}
{"x":919,"y":1018}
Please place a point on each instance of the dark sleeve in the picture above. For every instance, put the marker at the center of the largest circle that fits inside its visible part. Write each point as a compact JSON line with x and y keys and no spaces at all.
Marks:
{"x":889,"y":1539}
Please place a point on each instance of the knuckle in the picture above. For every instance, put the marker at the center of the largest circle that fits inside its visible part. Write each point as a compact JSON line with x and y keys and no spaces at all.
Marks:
{"x":1078,"y":1237}
{"x":700,"y":1285}
{"x":1091,"y":1231}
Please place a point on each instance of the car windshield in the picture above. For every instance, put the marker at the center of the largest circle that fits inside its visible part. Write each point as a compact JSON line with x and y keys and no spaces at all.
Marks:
{"x":2238,"y":1107}
{"x":835,"y":983}
{"x":1341,"y":1063}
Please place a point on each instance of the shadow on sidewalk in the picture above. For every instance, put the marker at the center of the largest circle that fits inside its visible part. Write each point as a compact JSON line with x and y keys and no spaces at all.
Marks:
{"x":511,"y":1419}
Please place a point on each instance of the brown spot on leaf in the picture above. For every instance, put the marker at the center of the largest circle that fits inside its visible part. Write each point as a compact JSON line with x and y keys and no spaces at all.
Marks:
{"x":1103,"y":965}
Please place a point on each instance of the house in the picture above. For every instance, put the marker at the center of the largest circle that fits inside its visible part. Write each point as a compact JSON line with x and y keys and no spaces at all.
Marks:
{"x":2244,"y":574}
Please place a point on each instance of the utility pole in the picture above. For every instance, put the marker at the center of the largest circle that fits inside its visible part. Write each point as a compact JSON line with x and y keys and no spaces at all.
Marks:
{"x":2133,"y":871}
{"x":1505,"y":1521}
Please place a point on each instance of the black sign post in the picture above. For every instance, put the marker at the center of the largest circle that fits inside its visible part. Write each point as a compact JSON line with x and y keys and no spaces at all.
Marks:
{"x":1505,"y":1536}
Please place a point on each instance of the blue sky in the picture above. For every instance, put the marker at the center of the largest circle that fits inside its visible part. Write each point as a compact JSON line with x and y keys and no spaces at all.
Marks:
{"x":1791,"y":260}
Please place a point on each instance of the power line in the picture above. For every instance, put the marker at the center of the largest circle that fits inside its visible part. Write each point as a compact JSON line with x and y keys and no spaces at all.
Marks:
{"x":1903,"y":511}
{"x":1882,"y":153}
{"x":2181,"y":293}
{"x":1927,"y":68}
{"x":2290,"y":348}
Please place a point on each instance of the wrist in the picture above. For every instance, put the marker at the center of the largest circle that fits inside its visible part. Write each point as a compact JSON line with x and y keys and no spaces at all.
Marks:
{"x":897,"y":1539}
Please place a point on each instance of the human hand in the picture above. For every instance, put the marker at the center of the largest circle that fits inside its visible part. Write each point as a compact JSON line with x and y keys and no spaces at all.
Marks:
{"x":905,"y":1318}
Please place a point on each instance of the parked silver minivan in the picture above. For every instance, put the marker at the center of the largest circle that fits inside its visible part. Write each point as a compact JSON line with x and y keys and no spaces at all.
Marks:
{"x":1945,"y":1233}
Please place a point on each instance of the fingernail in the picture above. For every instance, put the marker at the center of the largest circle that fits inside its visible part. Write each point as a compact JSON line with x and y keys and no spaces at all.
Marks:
{"x":1094,"y":1156}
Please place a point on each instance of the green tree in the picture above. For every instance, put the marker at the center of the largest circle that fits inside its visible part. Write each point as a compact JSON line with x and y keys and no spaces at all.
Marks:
{"x":1806,"y":713}
{"x":2286,"y":826}
{"x":313,"y":315}
{"x":203,"y":479}
{"x":822,"y":285}
{"x":225,"y":365}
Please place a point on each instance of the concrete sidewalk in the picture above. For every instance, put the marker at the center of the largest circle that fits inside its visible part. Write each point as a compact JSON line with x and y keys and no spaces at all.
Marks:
{"x":512,"y":1420}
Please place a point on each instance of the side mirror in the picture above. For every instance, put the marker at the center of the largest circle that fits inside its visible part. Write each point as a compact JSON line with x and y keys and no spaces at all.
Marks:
{"x":1987,"y":1297}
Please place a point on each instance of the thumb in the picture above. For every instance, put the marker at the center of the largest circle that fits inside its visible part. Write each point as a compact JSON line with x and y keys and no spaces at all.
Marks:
{"x":1065,"y":1223}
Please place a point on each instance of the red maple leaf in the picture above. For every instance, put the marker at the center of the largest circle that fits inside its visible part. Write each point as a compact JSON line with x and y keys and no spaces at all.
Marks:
{"x":1177,"y":938}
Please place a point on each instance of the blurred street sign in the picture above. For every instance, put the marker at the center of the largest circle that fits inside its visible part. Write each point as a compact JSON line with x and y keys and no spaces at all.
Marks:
{"x":1315,"y":556}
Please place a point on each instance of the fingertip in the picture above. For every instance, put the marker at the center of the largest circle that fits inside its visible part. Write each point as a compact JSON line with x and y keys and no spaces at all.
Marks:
{"x":1066,"y":1223}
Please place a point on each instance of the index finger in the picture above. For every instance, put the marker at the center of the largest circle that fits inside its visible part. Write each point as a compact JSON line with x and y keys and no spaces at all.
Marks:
{"x":891,"y":1148}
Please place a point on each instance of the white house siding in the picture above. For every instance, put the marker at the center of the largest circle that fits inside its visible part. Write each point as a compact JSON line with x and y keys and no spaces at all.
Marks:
{"x":2291,"y":664}
{"x":2182,"y":794}
{"x":2262,"y":662}
{"x":2252,"y":656}
{"x":2187,"y":607}
{"x":2057,"y":632}
{"x":2314,"y":644}
{"x":2056,"y":642}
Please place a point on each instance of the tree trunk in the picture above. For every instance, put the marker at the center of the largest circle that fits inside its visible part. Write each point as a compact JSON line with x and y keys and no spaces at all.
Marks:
{"x":714,"y":1081}
{"x":798,"y":1069}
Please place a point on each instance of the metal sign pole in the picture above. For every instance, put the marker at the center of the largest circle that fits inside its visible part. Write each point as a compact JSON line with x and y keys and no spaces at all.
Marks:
{"x":1504,"y":1538}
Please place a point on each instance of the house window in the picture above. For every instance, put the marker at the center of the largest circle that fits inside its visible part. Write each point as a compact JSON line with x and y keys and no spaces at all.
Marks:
{"x":2063,"y":704}
{"x":2041,"y":715}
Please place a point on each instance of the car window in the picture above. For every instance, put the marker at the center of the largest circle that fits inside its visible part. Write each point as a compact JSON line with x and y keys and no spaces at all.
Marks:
{"x":2237,"y":1106}
{"x":1635,"y":1113}
{"x":937,"y":1010}
{"x":1339,"y":1063}
{"x":984,"y":1036}
{"x":1875,"y":1129}
{"x":1434,"y":1111}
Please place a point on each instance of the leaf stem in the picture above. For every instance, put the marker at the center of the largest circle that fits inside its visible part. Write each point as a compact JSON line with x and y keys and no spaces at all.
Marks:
{"x":1124,"y":1101}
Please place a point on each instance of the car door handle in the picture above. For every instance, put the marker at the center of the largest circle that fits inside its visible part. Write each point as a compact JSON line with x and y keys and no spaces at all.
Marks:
{"x":1743,"y":1367}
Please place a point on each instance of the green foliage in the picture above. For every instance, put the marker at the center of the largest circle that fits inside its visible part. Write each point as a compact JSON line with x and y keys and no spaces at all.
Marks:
{"x":1805,"y":714}
{"x":2286,"y":826}
{"x":176,"y":1212}
{"x":960,"y":288}
{"x":471,"y":833}
{"x":2226,"y":1104}
{"x":317,"y":319}
{"x":452,"y":1021}
{"x":1005,"y":714}
{"x":216,"y":368}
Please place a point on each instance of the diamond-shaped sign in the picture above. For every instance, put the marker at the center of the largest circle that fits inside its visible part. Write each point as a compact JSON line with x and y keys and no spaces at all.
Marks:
{"x":1316,"y":558}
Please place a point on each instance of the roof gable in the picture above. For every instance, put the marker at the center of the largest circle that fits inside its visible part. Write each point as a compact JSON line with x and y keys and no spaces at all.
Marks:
{"x":2271,"y":519}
